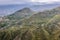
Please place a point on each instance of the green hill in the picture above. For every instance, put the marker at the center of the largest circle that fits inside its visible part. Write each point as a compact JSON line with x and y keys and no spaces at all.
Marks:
{"x":20,"y":14}
{"x":17,"y":17}
{"x":40,"y":26}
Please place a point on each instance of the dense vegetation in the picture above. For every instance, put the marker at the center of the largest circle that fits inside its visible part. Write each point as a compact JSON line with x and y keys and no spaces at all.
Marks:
{"x":40,"y":26}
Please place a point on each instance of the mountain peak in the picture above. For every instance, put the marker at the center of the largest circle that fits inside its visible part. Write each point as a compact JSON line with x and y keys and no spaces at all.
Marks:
{"x":23,"y":13}
{"x":24,"y":10}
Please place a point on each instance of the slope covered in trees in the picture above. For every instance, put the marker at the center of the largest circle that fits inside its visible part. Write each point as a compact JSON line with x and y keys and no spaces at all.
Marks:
{"x":40,"y":26}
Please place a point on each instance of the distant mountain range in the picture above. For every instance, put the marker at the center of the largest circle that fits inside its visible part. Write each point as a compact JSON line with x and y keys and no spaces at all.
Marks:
{"x":9,"y":9}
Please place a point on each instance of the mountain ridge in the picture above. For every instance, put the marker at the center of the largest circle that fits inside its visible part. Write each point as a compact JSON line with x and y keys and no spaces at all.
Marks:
{"x":40,"y":26}
{"x":10,"y":9}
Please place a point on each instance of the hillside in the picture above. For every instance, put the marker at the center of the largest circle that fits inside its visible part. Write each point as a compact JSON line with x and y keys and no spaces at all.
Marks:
{"x":43,"y":17}
{"x":20,"y":14}
{"x":16,"y":17}
{"x":45,"y":25}
{"x":40,"y":26}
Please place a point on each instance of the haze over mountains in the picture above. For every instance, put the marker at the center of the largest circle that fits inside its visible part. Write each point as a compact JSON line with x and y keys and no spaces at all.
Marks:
{"x":9,"y":9}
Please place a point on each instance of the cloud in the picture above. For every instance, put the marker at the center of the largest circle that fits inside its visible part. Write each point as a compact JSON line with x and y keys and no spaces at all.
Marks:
{"x":2,"y":2}
{"x":47,"y":1}
{"x":24,"y":1}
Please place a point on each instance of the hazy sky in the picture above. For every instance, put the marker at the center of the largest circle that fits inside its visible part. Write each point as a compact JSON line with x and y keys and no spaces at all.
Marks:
{"x":2,"y":2}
